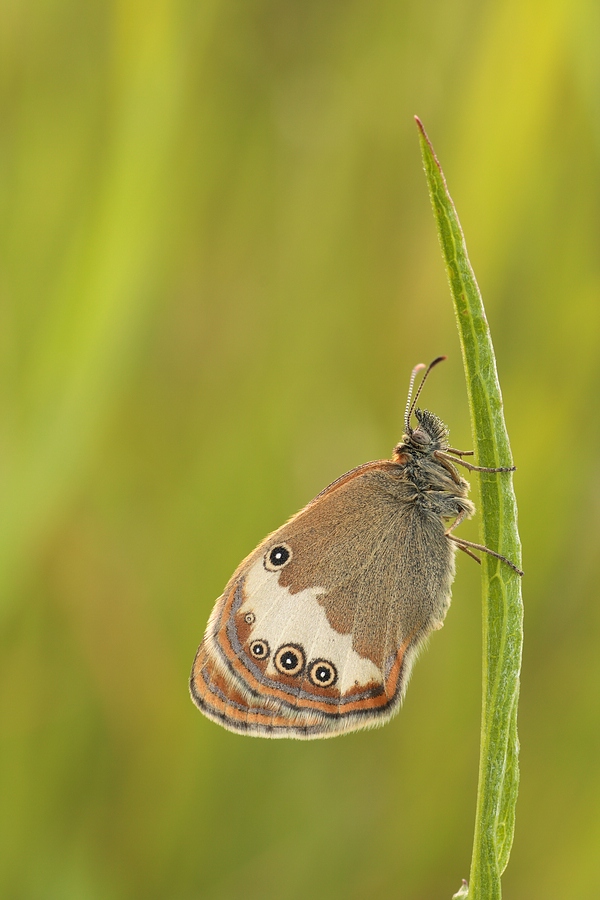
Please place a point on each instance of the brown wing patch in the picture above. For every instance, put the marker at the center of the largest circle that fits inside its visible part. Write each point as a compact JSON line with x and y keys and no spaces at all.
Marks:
{"x":384,"y":561}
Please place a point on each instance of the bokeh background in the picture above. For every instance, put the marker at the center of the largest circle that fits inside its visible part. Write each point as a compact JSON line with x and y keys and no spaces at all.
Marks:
{"x":218,"y":266}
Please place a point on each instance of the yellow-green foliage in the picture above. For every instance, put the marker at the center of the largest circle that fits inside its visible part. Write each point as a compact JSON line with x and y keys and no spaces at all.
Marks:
{"x":217,"y":269}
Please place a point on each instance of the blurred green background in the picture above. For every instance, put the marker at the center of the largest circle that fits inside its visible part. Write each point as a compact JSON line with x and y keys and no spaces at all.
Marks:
{"x":218,"y":266}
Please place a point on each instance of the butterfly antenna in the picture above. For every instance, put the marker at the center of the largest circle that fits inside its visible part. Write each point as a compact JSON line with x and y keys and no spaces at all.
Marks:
{"x":413,"y":375}
{"x":411,"y":405}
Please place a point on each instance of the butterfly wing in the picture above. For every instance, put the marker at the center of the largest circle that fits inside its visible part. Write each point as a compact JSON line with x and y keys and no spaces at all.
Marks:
{"x":316,"y":632}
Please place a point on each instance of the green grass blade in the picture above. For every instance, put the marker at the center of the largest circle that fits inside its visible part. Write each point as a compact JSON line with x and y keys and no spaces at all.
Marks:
{"x":502,"y":603}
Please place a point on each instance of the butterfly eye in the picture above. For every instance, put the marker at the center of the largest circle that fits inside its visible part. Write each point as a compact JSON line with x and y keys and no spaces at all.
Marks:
{"x":278,"y":557}
{"x":289,"y":659}
{"x":322,"y":673}
{"x":259,"y":649}
{"x":249,"y":618}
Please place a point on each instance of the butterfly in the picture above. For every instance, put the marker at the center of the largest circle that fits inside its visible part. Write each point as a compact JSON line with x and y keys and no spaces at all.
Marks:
{"x":316,"y":632}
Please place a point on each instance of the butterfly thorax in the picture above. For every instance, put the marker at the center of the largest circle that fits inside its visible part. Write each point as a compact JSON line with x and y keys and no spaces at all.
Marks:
{"x":417,"y":454}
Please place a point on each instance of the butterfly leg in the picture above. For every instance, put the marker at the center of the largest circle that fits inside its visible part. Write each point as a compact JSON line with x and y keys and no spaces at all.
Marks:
{"x":464,"y":544}
{"x":461,"y":516}
{"x":440,"y":455}
{"x":460,"y":452}
{"x":468,"y":552}
{"x":459,"y":509}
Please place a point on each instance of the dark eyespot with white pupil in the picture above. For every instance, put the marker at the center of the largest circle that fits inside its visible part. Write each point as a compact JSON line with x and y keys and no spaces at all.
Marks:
{"x":322,"y":673}
{"x":289,"y":659}
{"x":259,"y":649}
{"x":278,"y":557}
{"x":249,"y":618}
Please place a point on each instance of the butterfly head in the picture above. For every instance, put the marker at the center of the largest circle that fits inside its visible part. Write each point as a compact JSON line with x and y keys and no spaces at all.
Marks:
{"x":430,"y":434}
